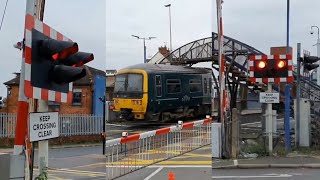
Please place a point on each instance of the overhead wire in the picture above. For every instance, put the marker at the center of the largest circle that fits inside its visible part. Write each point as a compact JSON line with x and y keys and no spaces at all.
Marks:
{"x":4,"y":12}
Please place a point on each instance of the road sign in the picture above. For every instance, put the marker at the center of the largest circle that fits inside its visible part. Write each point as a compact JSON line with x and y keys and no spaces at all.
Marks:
{"x":269,"y":97}
{"x":43,"y":126}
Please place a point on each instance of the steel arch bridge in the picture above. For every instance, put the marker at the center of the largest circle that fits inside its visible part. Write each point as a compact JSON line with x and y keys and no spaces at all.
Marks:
{"x":206,"y":50}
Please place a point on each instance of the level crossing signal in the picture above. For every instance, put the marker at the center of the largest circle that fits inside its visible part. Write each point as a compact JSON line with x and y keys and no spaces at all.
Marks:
{"x":271,"y":68}
{"x":55,"y":63}
{"x":309,"y":62}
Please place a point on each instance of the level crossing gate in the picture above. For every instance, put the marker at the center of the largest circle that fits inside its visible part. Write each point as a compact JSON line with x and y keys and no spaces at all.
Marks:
{"x":131,"y":153}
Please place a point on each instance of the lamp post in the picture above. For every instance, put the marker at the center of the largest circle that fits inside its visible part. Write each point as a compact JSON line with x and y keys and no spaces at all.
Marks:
{"x":144,"y":46}
{"x":103,"y":134}
{"x":318,"y":53}
{"x":169,"y":6}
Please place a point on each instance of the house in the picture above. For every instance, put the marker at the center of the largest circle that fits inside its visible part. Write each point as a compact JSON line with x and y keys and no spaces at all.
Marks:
{"x":162,"y":53}
{"x":110,"y":83}
{"x":85,"y":100}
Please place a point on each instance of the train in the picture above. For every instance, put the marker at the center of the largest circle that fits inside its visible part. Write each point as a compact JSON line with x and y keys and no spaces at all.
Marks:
{"x":158,"y":92}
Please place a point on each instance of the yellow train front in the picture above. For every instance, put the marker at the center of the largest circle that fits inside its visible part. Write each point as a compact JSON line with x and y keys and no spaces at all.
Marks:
{"x":162,"y":92}
{"x":130,"y":93}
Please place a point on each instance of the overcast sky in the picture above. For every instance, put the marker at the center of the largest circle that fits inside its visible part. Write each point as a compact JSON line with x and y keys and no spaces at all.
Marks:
{"x":259,"y":23}
{"x":83,"y":21}
{"x":96,"y":24}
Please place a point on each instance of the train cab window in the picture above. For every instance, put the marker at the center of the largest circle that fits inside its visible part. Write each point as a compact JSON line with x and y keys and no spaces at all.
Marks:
{"x":173,"y":86}
{"x":205,"y":86}
{"x":158,"y":86}
{"x":129,"y":85}
{"x":195,"y":85}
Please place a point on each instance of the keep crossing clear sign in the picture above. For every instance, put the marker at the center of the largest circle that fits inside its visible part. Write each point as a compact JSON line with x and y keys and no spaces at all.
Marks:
{"x":43,"y":126}
{"x":269,"y":97}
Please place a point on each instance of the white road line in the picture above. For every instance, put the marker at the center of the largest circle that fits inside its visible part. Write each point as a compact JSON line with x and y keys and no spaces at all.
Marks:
{"x":247,"y":177}
{"x":118,"y":125}
{"x":154,"y":173}
{"x":164,"y":166}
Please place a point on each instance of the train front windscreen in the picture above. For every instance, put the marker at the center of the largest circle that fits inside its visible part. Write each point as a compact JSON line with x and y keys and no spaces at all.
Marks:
{"x":129,"y":86}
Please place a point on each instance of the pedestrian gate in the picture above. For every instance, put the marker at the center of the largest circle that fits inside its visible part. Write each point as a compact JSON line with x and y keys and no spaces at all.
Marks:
{"x":131,"y":153}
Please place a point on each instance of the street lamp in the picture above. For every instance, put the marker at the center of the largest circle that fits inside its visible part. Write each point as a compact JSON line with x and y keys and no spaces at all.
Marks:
{"x":318,"y":52}
{"x":169,"y":6}
{"x":144,"y":45}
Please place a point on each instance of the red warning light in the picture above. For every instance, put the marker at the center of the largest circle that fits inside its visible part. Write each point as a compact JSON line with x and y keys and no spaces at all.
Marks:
{"x":281,"y":64}
{"x":262,"y":64}
{"x":55,"y":56}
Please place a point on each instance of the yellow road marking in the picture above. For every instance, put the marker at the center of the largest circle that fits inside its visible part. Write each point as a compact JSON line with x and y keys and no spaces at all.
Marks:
{"x":77,"y":173}
{"x":89,"y":165}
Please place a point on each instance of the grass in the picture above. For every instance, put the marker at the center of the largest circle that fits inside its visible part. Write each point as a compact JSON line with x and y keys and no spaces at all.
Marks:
{"x":255,"y":148}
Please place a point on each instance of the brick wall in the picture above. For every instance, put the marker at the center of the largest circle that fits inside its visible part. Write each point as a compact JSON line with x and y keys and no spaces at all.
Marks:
{"x":84,"y":108}
{"x":86,"y":103}
{"x":11,"y":106}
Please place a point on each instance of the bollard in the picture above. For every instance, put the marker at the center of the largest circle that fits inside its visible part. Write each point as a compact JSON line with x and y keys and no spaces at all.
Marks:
{"x":171,"y":176}
{"x":125,"y":135}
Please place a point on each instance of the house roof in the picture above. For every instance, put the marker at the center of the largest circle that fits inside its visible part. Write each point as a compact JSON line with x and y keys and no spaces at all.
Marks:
{"x":87,"y":80}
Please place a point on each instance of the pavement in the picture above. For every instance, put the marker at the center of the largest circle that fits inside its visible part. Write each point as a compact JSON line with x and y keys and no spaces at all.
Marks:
{"x":297,"y":161}
{"x":293,"y":167}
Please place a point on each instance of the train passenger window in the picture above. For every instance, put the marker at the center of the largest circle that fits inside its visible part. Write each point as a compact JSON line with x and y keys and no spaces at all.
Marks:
{"x":173,"y":86}
{"x":210,"y":85}
{"x":195,"y":85}
{"x":158,"y":80}
{"x":205,"y":85}
{"x":158,"y":86}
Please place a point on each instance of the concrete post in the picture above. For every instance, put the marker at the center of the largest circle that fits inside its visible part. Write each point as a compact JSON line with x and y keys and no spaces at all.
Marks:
{"x":43,"y":145}
{"x":235,"y":133}
{"x":304,"y":123}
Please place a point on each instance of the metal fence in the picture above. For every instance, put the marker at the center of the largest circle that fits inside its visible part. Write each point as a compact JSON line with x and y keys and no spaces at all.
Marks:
{"x":131,"y":153}
{"x":69,"y":124}
{"x":7,"y":124}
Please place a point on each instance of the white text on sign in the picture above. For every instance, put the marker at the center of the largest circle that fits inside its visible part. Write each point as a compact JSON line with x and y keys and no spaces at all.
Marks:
{"x":269,"y":97}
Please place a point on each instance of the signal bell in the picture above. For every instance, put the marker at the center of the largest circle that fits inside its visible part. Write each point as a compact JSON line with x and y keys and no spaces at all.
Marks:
{"x":55,"y":64}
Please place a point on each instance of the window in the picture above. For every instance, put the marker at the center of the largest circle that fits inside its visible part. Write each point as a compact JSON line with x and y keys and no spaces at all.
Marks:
{"x":195,"y":85}
{"x":205,"y":86}
{"x":53,"y":103}
{"x":210,"y":85}
{"x":173,"y":86}
{"x":128,"y":83}
{"x":76,"y":97}
{"x":158,"y":86}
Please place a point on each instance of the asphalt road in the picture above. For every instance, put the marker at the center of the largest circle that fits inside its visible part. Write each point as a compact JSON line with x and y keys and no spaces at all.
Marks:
{"x":87,"y":162}
{"x":75,"y":163}
{"x":266,"y":174}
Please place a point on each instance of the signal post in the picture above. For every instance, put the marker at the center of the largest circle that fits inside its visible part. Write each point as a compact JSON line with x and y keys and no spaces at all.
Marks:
{"x":270,"y":69}
{"x":50,"y":63}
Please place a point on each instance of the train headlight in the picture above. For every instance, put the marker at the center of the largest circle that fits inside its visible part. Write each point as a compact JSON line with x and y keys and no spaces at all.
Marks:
{"x":137,"y":102}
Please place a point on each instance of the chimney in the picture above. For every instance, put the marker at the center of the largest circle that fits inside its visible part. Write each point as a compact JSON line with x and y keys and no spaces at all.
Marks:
{"x":164,"y":51}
